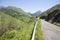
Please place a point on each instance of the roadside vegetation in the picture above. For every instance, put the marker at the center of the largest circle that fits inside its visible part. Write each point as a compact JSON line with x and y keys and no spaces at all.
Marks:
{"x":15,"y":25}
{"x":20,"y":34}
{"x":38,"y":35}
{"x":58,"y":24}
{"x":15,"y":29}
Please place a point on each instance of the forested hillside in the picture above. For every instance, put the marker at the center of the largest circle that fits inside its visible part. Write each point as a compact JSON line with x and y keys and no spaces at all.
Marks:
{"x":52,"y":14}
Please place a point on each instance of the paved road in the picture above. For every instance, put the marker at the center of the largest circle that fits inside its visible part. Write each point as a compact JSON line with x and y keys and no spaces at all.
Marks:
{"x":50,"y":31}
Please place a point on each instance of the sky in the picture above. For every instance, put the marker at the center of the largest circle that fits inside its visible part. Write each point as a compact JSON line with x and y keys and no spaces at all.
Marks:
{"x":30,"y":5}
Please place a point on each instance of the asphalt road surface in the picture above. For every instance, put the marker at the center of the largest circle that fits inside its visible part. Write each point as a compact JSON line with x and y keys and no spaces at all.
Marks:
{"x":50,"y":31}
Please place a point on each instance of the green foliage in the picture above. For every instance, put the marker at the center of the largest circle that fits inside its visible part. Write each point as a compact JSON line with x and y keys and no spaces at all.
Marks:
{"x":58,"y":24}
{"x":23,"y":34}
{"x":9,"y":23}
{"x":15,"y":24}
{"x":16,"y":13}
{"x":9,"y":35}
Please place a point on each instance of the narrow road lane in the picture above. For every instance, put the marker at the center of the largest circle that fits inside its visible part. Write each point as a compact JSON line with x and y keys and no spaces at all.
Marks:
{"x":50,"y":31}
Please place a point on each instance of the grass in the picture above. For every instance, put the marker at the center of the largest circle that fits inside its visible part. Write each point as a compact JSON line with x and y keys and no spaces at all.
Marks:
{"x":38,"y":35}
{"x":23,"y":34}
{"x":58,"y":24}
{"x":9,"y":23}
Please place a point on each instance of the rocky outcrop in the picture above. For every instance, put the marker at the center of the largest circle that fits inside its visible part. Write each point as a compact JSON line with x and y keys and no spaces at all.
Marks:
{"x":54,"y":16}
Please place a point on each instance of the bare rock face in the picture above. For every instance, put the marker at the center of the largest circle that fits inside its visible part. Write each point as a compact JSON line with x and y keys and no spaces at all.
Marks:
{"x":54,"y":16}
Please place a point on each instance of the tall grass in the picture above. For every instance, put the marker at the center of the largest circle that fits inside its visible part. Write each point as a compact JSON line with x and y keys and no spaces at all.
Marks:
{"x":23,"y":34}
{"x":15,"y":29}
{"x":9,"y":23}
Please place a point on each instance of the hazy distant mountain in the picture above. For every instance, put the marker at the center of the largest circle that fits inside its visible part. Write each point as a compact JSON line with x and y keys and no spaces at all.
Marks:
{"x":36,"y":13}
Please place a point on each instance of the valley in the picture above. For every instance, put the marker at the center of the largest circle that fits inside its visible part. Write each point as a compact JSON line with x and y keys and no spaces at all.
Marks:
{"x":16,"y":24}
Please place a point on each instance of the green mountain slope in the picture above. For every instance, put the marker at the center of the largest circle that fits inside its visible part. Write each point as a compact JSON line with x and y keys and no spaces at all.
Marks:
{"x":15,"y":12}
{"x":56,"y":7}
{"x":15,"y":25}
{"x":15,"y":29}
{"x":18,"y":10}
{"x":52,"y":14}
{"x":9,"y":23}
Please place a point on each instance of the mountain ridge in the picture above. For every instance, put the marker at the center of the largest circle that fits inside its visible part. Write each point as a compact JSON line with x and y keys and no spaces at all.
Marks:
{"x":37,"y":13}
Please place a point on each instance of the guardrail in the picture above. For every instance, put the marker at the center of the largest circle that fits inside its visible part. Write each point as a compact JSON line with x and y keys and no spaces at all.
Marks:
{"x":34,"y":30}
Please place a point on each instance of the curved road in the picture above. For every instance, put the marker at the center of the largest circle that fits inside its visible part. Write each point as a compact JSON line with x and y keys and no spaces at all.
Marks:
{"x":50,"y":31}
